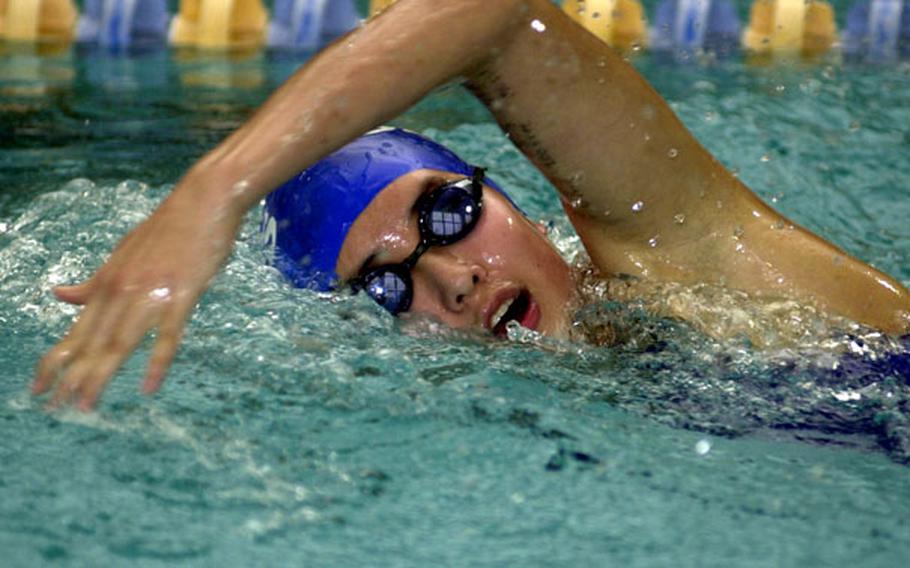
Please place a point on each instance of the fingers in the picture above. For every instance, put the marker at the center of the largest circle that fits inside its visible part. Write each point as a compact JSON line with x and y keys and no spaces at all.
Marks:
{"x":111,"y":342}
{"x":91,"y":387}
{"x":98,"y":345}
{"x":169,"y":336}
{"x":64,"y":352}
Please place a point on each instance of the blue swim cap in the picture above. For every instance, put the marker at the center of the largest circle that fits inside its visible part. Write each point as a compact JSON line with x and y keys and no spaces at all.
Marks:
{"x":308,"y":218}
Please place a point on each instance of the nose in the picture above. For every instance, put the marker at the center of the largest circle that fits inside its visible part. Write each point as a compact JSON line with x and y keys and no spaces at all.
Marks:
{"x":454,"y":279}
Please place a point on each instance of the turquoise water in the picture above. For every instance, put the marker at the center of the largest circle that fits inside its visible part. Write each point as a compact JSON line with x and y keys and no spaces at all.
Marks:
{"x":299,"y":429}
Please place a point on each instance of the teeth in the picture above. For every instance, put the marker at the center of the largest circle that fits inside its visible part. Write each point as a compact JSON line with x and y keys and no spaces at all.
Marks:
{"x":501,"y":312}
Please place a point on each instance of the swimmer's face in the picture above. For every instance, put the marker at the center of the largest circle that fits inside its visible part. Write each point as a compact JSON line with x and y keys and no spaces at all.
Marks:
{"x":505,"y":268}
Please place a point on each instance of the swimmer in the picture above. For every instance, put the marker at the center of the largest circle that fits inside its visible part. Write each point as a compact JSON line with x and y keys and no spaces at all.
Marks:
{"x":624,"y":165}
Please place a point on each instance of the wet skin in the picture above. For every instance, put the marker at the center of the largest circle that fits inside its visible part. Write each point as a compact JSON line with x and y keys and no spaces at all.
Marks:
{"x":591,"y":124}
{"x":468,"y":283}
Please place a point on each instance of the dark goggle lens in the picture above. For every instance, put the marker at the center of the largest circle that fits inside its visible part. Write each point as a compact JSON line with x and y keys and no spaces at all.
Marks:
{"x":450,"y":215}
{"x":390,"y":290}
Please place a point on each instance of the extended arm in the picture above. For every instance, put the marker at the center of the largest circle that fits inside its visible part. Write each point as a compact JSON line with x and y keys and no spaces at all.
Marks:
{"x":156,"y":275}
{"x":646,"y":197}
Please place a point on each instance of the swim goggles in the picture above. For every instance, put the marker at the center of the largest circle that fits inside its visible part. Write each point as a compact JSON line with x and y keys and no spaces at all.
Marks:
{"x":445,"y":215}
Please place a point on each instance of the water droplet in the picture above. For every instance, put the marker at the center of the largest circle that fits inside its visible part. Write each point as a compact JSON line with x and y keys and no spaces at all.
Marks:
{"x":679,"y":219}
{"x":780,"y":88}
{"x":538,"y":26}
{"x":673,"y":153}
{"x":638,"y":206}
{"x":577,"y":179}
{"x":778,"y":226}
{"x":654,"y":241}
{"x":738,"y":231}
{"x":766,"y":158}
{"x":703,"y":446}
{"x":710,"y":116}
{"x":160,"y":294}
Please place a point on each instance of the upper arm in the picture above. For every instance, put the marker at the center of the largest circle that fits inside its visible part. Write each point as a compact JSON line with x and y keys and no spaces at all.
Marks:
{"x":628,"y":170}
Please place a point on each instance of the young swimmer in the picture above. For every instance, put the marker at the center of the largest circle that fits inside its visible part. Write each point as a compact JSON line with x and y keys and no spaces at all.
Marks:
{"x":453,"y":250}
{"x":625,"y":167}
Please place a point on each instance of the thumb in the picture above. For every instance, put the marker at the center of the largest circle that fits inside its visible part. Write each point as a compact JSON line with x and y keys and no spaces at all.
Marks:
{"x":77,"y":294}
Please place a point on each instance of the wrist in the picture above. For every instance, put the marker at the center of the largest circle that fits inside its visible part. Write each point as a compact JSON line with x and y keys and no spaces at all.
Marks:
{"x":215,"y":186}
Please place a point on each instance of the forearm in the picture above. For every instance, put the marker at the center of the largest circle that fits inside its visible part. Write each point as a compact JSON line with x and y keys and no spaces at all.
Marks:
{"x":358,"y":83}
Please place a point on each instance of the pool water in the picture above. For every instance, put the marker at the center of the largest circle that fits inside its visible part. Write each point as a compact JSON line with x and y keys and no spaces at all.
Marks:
{"x":299,"y":428}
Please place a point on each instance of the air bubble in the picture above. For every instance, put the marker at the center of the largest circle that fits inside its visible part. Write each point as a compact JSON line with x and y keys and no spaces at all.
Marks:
{"x":638,"y":206}
{"x":673,"y":153}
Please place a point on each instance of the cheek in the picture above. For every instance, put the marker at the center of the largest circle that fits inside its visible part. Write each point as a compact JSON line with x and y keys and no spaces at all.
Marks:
{"x":425,"y":305}
{"x":493,"y":261}
{"x":503,"y":239}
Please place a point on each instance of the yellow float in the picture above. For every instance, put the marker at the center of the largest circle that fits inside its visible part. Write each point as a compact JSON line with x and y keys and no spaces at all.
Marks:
{"x":803,"y":27}
{"x":620,"y":23}
{"x":37,"y":21}
{"x":219,"y":24}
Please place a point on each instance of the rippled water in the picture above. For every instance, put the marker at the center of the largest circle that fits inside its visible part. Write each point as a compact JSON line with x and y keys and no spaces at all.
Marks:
{"x":300,"y":428}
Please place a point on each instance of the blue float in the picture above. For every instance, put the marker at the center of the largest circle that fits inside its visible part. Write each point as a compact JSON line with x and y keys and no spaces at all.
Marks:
{"x":121,"y":24}
{"x":878,"y":30}
{"x":686,"y":27}
{"x":310,"y":24}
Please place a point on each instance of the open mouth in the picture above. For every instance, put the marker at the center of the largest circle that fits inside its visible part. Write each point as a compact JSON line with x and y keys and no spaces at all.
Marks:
{"x":522,"y":309}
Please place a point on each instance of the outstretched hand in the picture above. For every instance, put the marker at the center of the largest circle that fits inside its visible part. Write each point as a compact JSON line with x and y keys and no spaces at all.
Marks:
{"x":152,"y":281}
